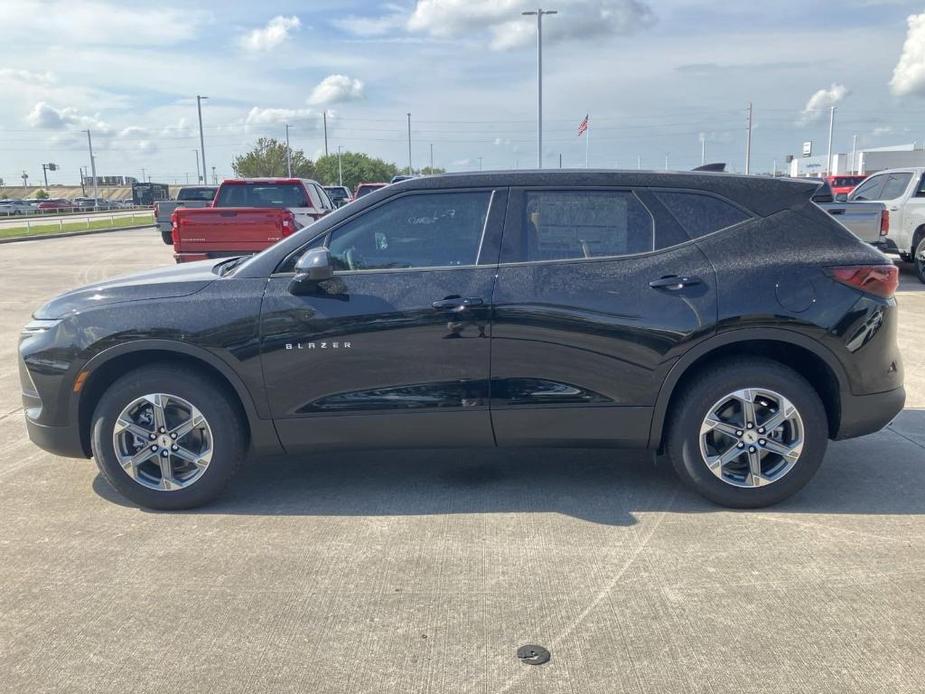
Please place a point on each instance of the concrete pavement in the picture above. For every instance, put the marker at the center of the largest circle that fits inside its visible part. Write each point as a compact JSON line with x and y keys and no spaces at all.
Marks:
{"x":424,"y":571}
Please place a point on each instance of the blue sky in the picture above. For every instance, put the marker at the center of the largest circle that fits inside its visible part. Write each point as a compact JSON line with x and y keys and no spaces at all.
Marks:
{"x":656,"y":76}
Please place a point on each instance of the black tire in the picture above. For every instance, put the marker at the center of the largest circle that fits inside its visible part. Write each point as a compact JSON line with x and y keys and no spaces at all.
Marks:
{"x":228,"y":434}
{"x":713,"y":384}
{"x":167,"y":237}
{"x":918,"y":261}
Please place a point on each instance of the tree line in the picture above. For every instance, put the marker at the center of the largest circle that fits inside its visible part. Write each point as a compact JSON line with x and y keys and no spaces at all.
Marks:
{"x":268,"y":158}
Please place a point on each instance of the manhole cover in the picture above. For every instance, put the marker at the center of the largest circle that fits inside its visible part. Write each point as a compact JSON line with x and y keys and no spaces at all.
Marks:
{"x":533,"y":655}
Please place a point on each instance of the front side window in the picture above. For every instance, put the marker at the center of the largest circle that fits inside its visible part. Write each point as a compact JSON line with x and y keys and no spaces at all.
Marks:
{"x":869,"y":189}
{"x":561,"y":225}
{"x":414,"y":231}
{"x":895,"y":186}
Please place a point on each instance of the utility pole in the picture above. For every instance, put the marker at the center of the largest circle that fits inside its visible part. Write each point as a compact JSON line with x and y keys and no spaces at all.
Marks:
{"x":703,"y":149}
{"x":96,"y":185}
{"x":288,"y":154}
{"x":340,"y":167}
{"x":480,"y":163}
{"x":143,"y":178}
{"x":560,"y":160}
{"x":828,"y":163}
{"x":324,"y":117}
{"x":83,"y":191}
{"x":638,"y":161}
{"x":202,"y":143}
{"x":539,"y":80}
{"x":854,"y":154}
{"x":748,"y":141}
{"x":431,"y":157}
{"x":410,"y":167}
{"x":198,"y":177}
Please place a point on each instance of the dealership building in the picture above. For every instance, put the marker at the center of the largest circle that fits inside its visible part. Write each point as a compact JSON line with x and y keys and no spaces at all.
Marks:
{"x":864,"y":161}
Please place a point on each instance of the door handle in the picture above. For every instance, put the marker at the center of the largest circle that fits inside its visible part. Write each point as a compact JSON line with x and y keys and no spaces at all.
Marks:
{"x":674,"y":282}
{"x":894,"y":209}
{"x":457,"y":303}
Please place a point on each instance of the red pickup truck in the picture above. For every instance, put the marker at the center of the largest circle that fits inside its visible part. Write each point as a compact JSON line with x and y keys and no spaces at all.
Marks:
{"x":246,"y":216}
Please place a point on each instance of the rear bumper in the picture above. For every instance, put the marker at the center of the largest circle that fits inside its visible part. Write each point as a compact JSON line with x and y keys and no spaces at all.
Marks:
{"x":192,"y":257}
{"x":63,"y":441}
{"x":866,"y":414}
{"x":886,"y":245}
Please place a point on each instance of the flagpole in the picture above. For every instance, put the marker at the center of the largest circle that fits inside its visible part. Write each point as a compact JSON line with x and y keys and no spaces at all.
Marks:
{"x":588,"y":143}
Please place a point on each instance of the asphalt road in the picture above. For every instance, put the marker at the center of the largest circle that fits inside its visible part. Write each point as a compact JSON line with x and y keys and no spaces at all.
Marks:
{"x":424,"y":571}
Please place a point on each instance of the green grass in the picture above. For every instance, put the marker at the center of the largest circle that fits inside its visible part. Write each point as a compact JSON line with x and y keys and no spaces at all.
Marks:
{"x":138,"y":219}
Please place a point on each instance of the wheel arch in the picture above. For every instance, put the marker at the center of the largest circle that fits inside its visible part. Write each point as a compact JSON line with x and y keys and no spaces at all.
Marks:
{"x":104,"y":368}
{"x":917,"y":236}
{"x":807,"y":357}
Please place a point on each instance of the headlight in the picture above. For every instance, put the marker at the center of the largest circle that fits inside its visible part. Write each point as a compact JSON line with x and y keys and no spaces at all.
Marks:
{"x":38,"y":326}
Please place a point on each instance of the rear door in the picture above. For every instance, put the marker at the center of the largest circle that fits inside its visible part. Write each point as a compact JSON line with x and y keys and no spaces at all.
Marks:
{"x":599,"y":291}
{"x":394,"y":350}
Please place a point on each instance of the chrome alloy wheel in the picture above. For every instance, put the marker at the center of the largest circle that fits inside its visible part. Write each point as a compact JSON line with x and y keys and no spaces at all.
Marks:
{"x":752,"y":437}
{"x":162,"y":442}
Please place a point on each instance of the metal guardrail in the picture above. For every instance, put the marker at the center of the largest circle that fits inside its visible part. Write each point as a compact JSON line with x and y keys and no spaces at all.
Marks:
{"x":75,"y":211}
{"x":71,"y":218}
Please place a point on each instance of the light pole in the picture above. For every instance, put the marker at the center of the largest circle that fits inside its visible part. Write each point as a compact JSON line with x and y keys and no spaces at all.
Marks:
{"x":96,"y":186}
{"x":198,"y":177}
{"x":539,"y":80}
{"x":480,"y":163}
{"x":340,"y":167}
{"x":703,"y":149}
{"x":202,"y":143}
{"x":828,"y":162}
{"x":667,"y":154}
{"x":324,"y":117}
{"x":288,"y":154}
{"x":410,"y":167}
{"x":748,"y":141}
{"x":431,"y":157}
{"x":214,"y":177}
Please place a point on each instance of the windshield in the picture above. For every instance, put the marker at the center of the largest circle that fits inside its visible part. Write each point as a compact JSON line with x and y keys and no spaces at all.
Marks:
{"x":200,"y":194}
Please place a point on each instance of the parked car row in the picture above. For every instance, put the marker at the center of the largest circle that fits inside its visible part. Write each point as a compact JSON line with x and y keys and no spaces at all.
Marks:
{"x":15,"y":206}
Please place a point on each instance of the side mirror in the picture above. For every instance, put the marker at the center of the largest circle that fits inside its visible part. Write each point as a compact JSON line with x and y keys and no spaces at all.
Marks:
{"x":841,"y":197}
{"x":314,"y":266}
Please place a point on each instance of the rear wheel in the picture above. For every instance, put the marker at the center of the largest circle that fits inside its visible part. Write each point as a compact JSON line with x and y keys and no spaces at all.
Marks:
{"x":918,"y":260}
{"x":167,"y":237}
{"x":167,"y":438}
{"x":748,"y":433}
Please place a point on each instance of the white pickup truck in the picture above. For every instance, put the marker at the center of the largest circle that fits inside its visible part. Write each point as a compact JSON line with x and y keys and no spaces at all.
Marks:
{"x":903,"y":193}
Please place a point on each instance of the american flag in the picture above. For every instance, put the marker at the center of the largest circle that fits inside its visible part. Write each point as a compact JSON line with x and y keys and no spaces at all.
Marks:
{"x":583,"y":126}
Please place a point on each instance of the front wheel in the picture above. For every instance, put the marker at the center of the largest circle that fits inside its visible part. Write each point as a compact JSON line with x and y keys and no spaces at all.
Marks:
{"x":167,"y":438}
{"x":918,"y":260}
{"x":748,"y":433}
{"x":167,"y":237}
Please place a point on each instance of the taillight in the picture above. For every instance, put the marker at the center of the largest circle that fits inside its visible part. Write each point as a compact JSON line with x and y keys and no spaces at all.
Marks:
{"x":174,"y":229}
{"x":879,"y":280}
{"x":156,"y":210}
{"x":288,"y":224}
{"x":884,"y":222}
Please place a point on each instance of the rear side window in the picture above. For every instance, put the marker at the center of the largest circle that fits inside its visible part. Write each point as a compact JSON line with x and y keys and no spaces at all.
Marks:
{"x":895,"y":186}
{"x":560,"y":225}
{"x":200,"y":194}
{"x":414,"y":231}
{"x":700,"y":214}
{"x":262,"y":195}
{"x":869,"y":189}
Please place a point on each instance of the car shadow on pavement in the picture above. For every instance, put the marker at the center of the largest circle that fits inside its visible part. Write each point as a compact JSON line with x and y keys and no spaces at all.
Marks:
{"x":879,"y":474}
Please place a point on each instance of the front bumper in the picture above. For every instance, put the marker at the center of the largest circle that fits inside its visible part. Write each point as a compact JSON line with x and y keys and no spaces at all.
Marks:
{"x":63,"y":441}
{"x":866,"y":414}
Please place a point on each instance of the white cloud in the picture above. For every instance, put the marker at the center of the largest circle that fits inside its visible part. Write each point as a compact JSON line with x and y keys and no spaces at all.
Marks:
{"x":909,"y":74}
{"x":336,"y":89}
{"x":371,"y":26}
{"x":821,"y":101}
{"x":99,"y":22}
{"x":47,"y":117}
{"x":25,"y":77}
{"x":258,"y":116}
{"x":276,"y":32}
{"x":577,"y":19}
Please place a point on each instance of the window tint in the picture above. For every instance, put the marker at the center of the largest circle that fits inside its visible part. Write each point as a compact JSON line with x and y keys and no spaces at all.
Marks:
{"x":895,"y":186}
{"x":422,"y":230}
{"x":869,"y":189}
{"x":920,"y":193}
{"x":262,"y":195}
{"x":700,"y":214}
{"x":585,"y":224}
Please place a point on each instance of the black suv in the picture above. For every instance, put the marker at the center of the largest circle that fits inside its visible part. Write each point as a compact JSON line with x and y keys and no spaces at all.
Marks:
{"x":723,"y":320}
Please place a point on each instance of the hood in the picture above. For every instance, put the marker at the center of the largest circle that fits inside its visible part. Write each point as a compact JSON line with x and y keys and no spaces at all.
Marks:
{"x":162,"y":283}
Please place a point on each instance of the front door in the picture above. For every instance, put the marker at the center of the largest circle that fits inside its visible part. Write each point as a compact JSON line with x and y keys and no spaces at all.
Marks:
{"x":394,"y":350}
{"x":591,"y":305}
